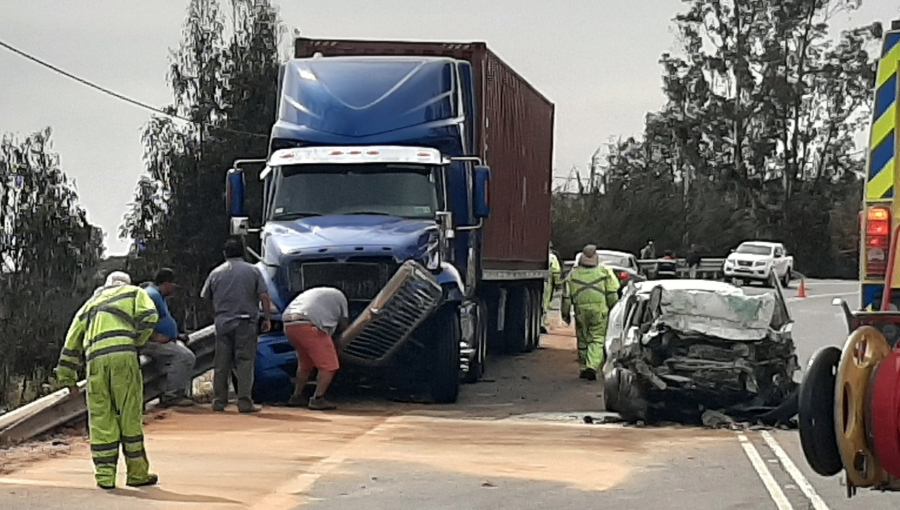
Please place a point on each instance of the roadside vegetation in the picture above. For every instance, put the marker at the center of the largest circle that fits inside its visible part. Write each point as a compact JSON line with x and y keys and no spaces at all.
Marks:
{"x":757,"y":140}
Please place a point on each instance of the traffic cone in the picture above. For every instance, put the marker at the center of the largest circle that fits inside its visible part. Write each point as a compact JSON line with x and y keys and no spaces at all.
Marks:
{"x":801,"y":292}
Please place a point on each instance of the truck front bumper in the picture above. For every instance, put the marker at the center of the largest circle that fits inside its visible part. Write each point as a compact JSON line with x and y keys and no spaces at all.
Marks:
{"x":746,"y":273}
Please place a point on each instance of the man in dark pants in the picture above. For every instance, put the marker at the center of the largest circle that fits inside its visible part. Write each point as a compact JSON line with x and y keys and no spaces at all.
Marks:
{"x":236,"y":289}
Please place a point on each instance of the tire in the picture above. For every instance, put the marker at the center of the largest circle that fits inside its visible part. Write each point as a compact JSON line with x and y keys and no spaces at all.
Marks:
{"x":623,"y":394}
{"x":818,"y":436}
{"x":476,"y":368}
{"x":611,"y":390}
{"x":537,"y":312}
{"x":517,"y":329}
{"x":786,"y":279}
{"x":443,"y":371}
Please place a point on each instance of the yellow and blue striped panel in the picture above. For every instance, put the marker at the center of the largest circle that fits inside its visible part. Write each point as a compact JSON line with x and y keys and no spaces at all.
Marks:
{"x":882,"y":145}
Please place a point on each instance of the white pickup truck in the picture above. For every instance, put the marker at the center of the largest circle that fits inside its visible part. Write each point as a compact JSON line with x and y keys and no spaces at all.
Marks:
{"x":756,"y":260}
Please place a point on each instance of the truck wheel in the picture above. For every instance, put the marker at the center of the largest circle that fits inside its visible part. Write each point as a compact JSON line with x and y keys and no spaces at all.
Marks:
{"x":786,"y":279}
{"x":444,"y":369}
{"x":518,"y":321}
{"x":476,"y":367}
{"x":537,"y":311}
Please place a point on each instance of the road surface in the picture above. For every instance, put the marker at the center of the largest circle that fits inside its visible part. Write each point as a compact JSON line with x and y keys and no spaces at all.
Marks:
{"x":513,"y":441}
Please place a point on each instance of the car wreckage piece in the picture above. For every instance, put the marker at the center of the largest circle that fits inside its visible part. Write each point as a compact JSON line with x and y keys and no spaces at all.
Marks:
{"x":685,"y":351}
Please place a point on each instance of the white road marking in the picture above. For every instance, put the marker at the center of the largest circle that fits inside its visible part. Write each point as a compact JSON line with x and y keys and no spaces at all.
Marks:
{"x":831,"y":294}
{"x":791,"y":468}
{"x":781,"y":501}
{"x":289,"y":495}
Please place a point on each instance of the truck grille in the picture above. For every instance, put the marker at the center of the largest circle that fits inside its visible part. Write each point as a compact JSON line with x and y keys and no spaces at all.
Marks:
{"x":744,"y":263}
{"x":389,"y":320}
{"x":357,"y":280}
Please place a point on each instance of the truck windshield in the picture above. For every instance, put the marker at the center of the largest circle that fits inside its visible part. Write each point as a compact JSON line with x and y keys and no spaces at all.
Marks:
{"x":754,"y":249}
{"x":406,"y":191}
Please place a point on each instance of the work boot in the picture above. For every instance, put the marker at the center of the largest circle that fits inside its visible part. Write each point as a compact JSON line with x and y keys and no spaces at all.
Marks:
{"x":252,"y":408}
{"x":296,"y":401}
{"x":320,"y":404}
{"x":167,"y":402}
{"x":106,"y":486}
{"x":588,"y":373}
{"x":151,"y":480}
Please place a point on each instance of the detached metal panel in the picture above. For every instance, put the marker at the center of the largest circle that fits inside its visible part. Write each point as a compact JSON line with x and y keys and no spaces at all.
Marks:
{"x":514,"y":134}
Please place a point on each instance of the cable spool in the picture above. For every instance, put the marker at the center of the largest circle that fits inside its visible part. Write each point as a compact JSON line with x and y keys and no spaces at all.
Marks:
{"x":884,"y":414}
{"x":865,"y":348}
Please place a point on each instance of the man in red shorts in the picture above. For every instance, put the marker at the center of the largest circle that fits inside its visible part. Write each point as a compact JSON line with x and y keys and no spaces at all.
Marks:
{"x":311,"y":322}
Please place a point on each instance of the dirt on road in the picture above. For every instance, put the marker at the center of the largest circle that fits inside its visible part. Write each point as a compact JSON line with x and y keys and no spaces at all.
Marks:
{"x":525,"y":421}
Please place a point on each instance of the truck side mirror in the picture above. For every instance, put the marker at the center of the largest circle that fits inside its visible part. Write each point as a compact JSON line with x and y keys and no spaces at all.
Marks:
{"x":481,"y":203}
{"x":234,"y":193}
{"x":239,"y":226}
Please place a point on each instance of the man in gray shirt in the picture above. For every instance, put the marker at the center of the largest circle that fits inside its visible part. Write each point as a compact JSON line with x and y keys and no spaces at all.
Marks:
{"x":311,"y":322}
{"x":236,"y":289}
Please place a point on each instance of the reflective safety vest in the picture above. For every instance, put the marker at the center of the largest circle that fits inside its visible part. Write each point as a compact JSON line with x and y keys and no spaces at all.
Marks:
{"x":555,"y":270}
{"x":590,"y":286}
{"x":114,"y":320}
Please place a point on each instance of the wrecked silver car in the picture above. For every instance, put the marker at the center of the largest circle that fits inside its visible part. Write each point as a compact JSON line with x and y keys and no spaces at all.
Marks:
{"x":694,"y":351}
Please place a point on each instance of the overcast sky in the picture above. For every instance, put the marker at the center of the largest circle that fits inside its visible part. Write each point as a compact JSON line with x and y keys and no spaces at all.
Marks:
{"x":596,"y":59}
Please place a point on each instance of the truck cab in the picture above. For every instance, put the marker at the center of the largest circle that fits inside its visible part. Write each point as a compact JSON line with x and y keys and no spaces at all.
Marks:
{"x":374,"y":166}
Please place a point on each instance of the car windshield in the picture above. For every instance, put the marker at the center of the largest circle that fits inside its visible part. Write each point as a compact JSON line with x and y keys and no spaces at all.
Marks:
{"x":611,"y":259}
{"x":407,"y":191}
{"x":754,"y":249}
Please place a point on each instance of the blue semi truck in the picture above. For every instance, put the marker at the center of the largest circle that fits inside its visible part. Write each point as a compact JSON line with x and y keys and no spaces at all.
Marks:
{"x":377,"y":183}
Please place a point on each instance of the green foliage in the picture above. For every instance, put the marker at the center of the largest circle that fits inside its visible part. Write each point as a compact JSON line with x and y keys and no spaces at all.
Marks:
{"x":756,"y":139}
{"x":224,"y":78}
{"x":48,"y":258}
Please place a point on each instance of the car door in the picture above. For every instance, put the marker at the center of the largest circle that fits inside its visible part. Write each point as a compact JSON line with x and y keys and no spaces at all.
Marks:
{"x":636,"y":267}
{"x":780,"y":262}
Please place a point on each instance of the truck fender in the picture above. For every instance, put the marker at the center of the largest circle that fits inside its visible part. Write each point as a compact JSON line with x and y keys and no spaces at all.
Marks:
{"x":452,"y":281}
{"x":277,"y":299}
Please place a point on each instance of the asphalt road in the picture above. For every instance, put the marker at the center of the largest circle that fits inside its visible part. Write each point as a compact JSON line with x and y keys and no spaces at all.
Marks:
{"x":517,"y":440}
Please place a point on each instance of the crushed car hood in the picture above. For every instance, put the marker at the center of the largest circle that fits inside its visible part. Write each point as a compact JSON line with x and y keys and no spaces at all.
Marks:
{"x":728,"y":316}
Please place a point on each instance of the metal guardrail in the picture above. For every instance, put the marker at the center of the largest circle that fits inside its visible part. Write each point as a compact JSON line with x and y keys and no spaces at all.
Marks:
{"x":59,"y":408}
{"x":709,"y":268}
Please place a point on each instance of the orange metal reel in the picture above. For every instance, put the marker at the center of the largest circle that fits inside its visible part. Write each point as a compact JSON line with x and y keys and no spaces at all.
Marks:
{"x":864,"y":350}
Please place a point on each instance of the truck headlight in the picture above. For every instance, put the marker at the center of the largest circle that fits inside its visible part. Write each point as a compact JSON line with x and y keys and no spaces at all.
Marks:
{"x":760,"y":263}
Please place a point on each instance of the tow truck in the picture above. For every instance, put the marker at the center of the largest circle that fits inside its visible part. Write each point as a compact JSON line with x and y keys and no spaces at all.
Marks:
{"x":850,"y":396}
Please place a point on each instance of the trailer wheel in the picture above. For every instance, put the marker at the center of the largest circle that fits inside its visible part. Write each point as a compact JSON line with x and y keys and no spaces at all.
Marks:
{"x":518,"y":321}
{"x":444,"y":370}
{"x":476,"y":367}
{"x":537,"y":313}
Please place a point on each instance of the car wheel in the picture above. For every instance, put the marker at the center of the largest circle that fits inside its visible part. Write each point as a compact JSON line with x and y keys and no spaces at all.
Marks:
{"x":786,"y":279}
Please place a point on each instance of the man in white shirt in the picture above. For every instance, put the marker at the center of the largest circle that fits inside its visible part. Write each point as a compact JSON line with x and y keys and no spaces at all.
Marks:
{"x":312,"y":322}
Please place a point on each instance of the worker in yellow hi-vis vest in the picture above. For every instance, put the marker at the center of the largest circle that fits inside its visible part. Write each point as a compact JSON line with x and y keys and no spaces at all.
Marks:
{"x":107,"y":332}
{"x":592,"y":289}
{"x":552,"y":283}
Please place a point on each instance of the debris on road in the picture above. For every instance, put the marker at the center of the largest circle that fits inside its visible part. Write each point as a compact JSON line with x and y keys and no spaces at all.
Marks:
{"x":704,"y":357}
